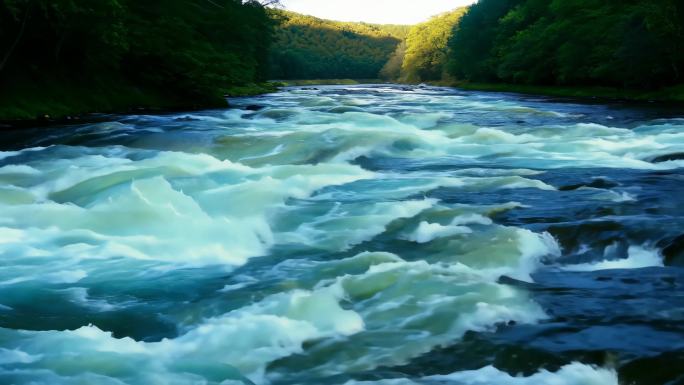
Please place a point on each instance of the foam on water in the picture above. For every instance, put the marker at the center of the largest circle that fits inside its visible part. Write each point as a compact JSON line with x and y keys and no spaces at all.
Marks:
{"x":425,"y":305}
{"x":637,"y":257}
{"x":572,"y":374}
{"x":172,"y":207}
{"x":362,"y":204}
{"x":243,"y":341}
{"x":347,"y":225}
{"x":427,"y":231}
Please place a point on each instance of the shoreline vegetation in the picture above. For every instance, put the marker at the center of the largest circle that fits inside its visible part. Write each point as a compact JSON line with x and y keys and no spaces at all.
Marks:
{"x":118,"y":100}
{"x":63,"y":59}
{"x":51,"y":74}
{"x":670,"y":95}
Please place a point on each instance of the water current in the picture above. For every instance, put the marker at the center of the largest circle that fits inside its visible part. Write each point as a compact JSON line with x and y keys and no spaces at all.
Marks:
{"x":347,"y":235}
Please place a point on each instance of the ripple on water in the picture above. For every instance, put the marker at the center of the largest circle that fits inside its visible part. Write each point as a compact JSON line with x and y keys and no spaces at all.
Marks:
{"x":346,"y":235}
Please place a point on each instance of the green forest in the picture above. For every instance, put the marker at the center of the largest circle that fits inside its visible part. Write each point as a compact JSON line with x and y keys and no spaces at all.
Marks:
{"x":63,"y":57}
{"x":625,"y":43}
{"x":306,"y":47}
{"x":423,"y":55}
{"x":67,"y":57}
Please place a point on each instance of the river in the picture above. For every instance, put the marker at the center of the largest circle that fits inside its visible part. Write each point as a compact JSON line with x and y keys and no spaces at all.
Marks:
{"x":388,"y":235}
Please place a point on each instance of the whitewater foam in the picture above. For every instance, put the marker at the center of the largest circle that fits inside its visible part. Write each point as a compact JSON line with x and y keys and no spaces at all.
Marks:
{"x":157,"y":228}
{"x":243,"y":341}
{"x":572,"y":374}
{"x":637,"y":257}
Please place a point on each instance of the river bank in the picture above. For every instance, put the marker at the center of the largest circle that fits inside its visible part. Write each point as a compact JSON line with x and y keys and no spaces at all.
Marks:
{"x":67,"y":103}
{"x":63,"y":105}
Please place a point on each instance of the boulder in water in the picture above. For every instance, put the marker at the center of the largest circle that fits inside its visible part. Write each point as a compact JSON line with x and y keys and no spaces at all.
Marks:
{"x":673,"y":253}
{"x":185,"y":119}
{"x":596,"y":183}
{"x":254,"y":107}
{"x":667,"y":157}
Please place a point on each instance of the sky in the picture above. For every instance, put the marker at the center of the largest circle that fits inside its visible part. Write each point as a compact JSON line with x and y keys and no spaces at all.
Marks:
{"x":374,"y":11}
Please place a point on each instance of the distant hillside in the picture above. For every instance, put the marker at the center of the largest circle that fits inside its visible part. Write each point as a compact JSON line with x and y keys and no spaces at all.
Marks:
{"x":424,"y":54}
{"x":306,"y":47}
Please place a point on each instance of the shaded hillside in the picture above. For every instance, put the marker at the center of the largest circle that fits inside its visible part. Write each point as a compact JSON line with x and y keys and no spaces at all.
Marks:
{"x":636,"y":44}
{"x":70,"y":57}
{"x":306,"y":47}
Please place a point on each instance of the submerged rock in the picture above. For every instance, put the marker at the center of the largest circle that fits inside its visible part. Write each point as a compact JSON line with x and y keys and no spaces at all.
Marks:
{"x":596,"y":183}
{"x":185,"y":119}
{"x":254,"y":107}
{"x":673,"y":253}
{"x":667,"y":157}
{"x":506,"y":280}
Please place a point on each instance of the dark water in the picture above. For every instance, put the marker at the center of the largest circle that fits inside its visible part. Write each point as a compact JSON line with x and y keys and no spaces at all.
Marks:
{"x":348,"y":235}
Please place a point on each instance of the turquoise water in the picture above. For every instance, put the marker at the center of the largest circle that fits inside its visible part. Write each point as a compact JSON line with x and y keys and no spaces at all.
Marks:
{"x":346,"y":235}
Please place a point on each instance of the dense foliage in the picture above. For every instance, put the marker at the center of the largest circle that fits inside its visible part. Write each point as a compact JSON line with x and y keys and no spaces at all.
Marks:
{"x":170,"y":52}
{"x":71,"y":56}
{"x":308,"y":48}
{"x":426,"y":47}
{"x":627,"y":43}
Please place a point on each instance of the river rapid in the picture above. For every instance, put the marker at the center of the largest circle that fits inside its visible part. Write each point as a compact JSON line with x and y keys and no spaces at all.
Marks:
{"x":347,"y":235}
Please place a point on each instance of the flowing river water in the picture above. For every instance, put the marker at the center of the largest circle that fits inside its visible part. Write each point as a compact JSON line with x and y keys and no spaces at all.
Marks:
{"x":347,"y":235}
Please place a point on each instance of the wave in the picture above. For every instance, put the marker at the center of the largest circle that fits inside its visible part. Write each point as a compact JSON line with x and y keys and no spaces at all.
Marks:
{"x":572,"y":374}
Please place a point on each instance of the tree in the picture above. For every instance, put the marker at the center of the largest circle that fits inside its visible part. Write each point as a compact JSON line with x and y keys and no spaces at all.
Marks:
{"x":191,"y":54}
{"x":426,"y":47}
{"x":628,"y":43}
{"x":310,"y":48}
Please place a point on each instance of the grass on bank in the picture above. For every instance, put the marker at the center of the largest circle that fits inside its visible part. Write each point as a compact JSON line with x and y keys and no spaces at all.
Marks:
{"x":55,"y":101}
{"x":59,"y":100}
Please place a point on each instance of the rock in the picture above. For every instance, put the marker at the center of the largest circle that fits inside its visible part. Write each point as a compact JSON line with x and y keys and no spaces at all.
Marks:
{"x":185,"y":119}
{"x":254,"y":107}
{"x":673,"y":252}
{"x":668,"y":157}
{"x":596,"y":183}
{"x":506,"y":280}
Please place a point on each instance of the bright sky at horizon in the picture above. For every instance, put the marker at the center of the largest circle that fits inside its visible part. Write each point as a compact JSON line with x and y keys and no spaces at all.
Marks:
{"x":374,"y":11}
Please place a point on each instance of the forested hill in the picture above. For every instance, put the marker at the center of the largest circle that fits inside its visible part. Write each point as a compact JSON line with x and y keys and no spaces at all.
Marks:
{"x":60,"y":57}
{"x":307,"y":47}
{"x":64,"y":57}
{"x":423,"y":55}
{"x":625,"y":43}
